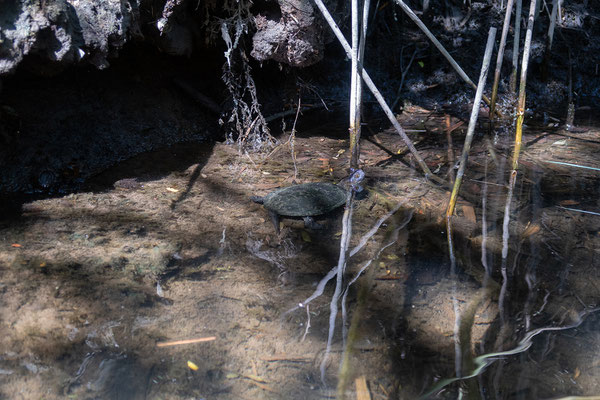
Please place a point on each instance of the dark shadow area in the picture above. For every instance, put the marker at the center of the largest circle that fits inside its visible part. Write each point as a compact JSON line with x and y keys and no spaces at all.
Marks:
{"x":60,"y":131}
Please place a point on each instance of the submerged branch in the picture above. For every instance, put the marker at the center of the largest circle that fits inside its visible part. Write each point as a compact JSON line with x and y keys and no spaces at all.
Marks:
{"x":339,"y":271}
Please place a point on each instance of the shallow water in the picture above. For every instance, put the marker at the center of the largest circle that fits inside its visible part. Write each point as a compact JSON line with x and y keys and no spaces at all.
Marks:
{"x":93,"y":281}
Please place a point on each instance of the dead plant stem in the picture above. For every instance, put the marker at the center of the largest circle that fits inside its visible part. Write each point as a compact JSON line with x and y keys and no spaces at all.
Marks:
{"x":515,"y":54}
{"x":472,"y":123}
{"x":292,"y":138}
{"x":499,"y":58}
{"x":461,"y":170}
{"x":522,"y":85}
{"x":549,"y":40}
{"x":341,"y":267}
{"x":354,"y":128}
{"x":403,"y":72}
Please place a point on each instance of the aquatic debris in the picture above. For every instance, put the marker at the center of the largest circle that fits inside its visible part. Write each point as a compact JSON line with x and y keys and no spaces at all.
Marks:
{"x":288,"y":358}
{"x":192,"y":366}
{"x":362,"y":390}
{"x":103,"y":336}
{"x":306,"y":236}
{"x":286,"y":250}
{"x":186,"y":341}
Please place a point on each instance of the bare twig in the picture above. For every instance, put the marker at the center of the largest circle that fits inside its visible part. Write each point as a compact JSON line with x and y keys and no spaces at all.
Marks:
{"x":404,"y":71}
{"x":307,"y":323}
{"x":187,"y":341}
{"x":499,"y":59}
{"x":450,"y":148}
{"x":305,"y":107}
{"x":549,"y":39}
{"x":292,"y":139}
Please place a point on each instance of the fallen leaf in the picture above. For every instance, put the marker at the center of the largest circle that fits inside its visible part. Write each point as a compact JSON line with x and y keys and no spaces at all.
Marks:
{"x":362,"y":391}
{"x":306,"y":236}
{"x":531,"y":230}
{"x":469,"y":213}
{"x":577,"y":373}
{"x":568,"y":203}
{"x":15,"y":245}
{"x":173,"y":190}
{"x":192,"y":366}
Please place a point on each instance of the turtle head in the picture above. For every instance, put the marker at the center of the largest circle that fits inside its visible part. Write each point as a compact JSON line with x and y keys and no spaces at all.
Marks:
{"x":257,"y":199}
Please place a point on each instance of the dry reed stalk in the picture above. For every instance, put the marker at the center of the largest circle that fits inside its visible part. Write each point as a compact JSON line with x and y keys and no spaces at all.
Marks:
{"x":509,"y":7}
{"x":549,"y":40}
{"x":472,"y":122}
{"x":522,"y":84}
{"x":515,"y":161}
{"x":515,"y":54}
{"x":458,"y":348}
{"x":354,"y":128}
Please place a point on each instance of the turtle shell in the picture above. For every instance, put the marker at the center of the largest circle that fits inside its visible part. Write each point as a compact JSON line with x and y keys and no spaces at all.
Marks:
{"x":305,"y":200}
